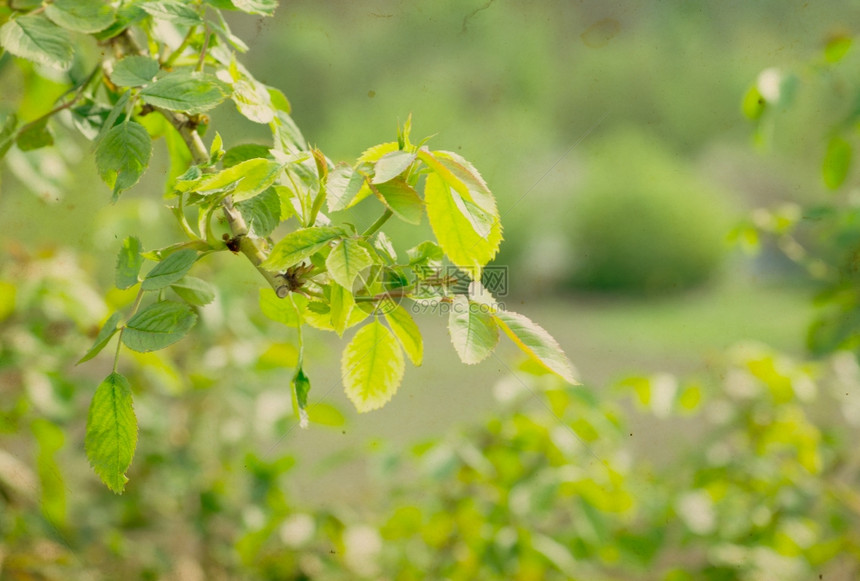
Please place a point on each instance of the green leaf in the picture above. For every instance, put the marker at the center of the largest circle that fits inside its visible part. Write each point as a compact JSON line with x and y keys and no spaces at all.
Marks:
{"x":463,"y":178}
{"x":344,"y":185}
{"x":253,"y":100}
{"x":105,"y":334}
{"x":247,"y":179}
{"x":372,"y":367}
{"x":837,"y":47}
{"x":425,"y":252}
{"x":341,"y":303}
{"x":194,"y":290}
{"x":282,"y":310}
{"x":262,"y":213}
{"x":301,"y":386}
{"x":298,"y":245}
{"x":261,"y":7}
{"x":85,"y":16}
{"x":186,"y":91}
{"x":169,"y":270}
{"x":287,"y":135}
{"x":375,"y":153}
{"x":382,"y":243}
{"x":244,"y":152}
{"x":466,"y":248}
{"x":837,"y":162}
{"x":123,"y":155}
{"x":128,"y":263}
{"x":407,"y":333}
{"x":346,"y":260}
{"x":753,"y":104}
{"x":35,"y":135}
{"x":536,"y":343}
{"x":37,"y":39}
{"x":134,"y":71}
{"x":111,"y":435}
{"x":157,"y":326}
{"x":472,"y":329}
{"x":173,"y":11}
{"x":401,"y":199}
{"x":392,"y":165}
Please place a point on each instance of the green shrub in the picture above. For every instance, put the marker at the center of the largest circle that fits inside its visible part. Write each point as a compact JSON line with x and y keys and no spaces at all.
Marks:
{"x":643,"y":223}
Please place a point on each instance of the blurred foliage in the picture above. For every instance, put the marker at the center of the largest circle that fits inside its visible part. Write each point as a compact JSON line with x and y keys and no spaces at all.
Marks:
{"x":644,"y":223}
{"x":757,"y":475}
{"x":745,"y":472}
{"x":822,"y":235}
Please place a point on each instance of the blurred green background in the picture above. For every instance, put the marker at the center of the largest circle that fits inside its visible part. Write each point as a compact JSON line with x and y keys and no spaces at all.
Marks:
{"x":613,"y":136}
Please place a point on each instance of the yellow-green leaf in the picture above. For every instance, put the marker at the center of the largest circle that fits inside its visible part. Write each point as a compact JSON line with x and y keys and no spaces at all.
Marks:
{"x":407,"y":333}
{"x":111,"y":435}
{"x":372,"y":367}
{"x":536,"y":343}
{"x":346,"y":260}
{"x":458,"y":239}
{"x":473,"y":330}
{"x":298,"y":245}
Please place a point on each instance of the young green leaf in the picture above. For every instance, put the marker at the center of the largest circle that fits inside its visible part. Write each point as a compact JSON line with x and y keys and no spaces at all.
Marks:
{"x":472,"y":329}
{"x":375,"y":153}
{"x":392,"y":165}
{"x":536,"y":343}
{"x":382,"y":244}
{"x":341,"y":303}
{"x":134,"y":71}
{"x":35,"y":135}
{"x":298,"y":245}
{"x":194,"y":290}
{"x":186,"y":91}
{"x":466,"y":248}
{"x":401,"y":199}
{"x":85,"y":16}
{"x":248,"y":178}
{"x":35,"y":38}
{"x":407,"y":333}
{"x":157,"y":326}
{"x":301,"y":386}
{"x":423,"y":253}
{"x":105,"y":334}
{"x":346,"y":187}
{"x":128,"y":263}
{"x":169,"y":270}
{"x":462,"y":177}
{"x":123,"y":155}
{"x":253,"y":100}
{"x":372,"y":367}
{"x":262,"y":213}
{"x":346,"y":260}
{"x":837,"y":162}
{"x":282,"y":310}
{"x":173,"y":11}
{"x":111,"y":435}
{"x":239,"y":153}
